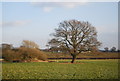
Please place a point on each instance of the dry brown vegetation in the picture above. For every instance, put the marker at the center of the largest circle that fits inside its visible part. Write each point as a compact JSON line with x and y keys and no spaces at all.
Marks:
{"x":23,"y":55}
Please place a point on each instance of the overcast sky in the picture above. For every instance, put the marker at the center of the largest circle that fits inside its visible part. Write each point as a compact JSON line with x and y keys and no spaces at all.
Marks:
{"x":36,"y":21}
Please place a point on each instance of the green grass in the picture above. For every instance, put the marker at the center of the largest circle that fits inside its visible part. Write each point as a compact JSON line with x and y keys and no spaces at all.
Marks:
{"x":83,"y":69}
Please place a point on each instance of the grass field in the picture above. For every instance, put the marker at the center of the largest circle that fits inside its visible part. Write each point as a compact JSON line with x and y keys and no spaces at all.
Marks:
{"x":82,"y":69}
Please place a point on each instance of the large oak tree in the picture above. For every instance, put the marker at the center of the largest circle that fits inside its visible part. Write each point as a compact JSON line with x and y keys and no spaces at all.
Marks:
{"x":76,"y":37}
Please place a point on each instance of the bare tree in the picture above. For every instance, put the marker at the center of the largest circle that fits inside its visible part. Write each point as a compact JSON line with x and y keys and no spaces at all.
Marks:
{"x":76,"y":36}
{"x":29,"y":44}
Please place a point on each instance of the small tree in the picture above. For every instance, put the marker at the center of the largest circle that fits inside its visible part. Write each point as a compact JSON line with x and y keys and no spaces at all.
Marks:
{"x":106,"y":49}
{"x":76,"y":36}
{"x":29,"y":44}
{"x":113,"y":49}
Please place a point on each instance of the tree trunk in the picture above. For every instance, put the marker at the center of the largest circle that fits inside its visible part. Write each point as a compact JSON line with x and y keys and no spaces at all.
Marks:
{"x":73,"y":59}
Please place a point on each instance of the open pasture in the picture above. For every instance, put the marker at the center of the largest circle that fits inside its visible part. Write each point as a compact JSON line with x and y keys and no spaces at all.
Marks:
{"x":61,"y":69}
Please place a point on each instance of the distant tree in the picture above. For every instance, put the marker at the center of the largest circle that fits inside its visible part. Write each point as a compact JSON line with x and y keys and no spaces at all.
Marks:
{"x":106,"y":49}
{"x":29,"y":44}
{"x":113,"y":49}
{"x":75,"y":36}
{"x":56,"y":46}
{"x":53,"y":44}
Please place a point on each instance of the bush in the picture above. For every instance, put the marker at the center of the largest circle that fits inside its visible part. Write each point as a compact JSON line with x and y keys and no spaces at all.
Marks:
{"x":29,"y":54}
{"x":42,"y":56}
{"x":23,"y":55}
{"x":10,"y":55}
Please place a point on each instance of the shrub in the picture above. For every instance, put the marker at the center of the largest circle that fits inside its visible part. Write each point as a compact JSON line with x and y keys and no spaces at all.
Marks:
{"x":29,"y":54}
{"x":23,"y":54}
{"x":10,"y":55}
{"x":42,"y":56}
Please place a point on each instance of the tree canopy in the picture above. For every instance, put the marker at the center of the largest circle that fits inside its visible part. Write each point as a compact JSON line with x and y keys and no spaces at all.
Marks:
{"x":75,"y":36}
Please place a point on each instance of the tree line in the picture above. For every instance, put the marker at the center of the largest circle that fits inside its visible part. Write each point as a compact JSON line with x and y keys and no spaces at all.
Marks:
{"x":113,"y":49}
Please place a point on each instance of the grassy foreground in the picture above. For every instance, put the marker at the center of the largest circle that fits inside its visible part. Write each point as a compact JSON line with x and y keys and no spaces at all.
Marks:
{"x":83,"y":69}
